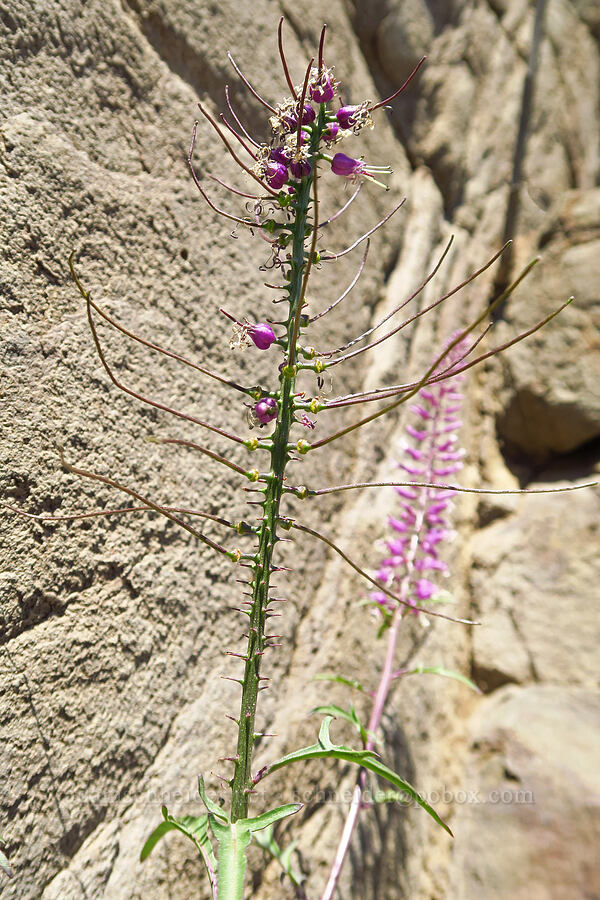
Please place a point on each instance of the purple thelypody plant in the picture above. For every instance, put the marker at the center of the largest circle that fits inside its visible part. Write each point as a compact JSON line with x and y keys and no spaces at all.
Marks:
{"x":285,"y":212}
{"x":430,"y":456}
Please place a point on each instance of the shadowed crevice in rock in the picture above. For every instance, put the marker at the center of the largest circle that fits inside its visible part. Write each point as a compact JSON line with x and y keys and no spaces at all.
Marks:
{"x":173,"y":47}
{"x":543,"y":431}
{"x":378,"y":854}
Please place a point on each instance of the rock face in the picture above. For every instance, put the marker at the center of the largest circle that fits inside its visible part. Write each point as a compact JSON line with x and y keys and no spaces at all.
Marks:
{"x":531,"y":798}
{"x":112,"y":630}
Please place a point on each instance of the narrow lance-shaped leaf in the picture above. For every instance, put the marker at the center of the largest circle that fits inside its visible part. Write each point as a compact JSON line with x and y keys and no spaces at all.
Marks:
{"x":267,"y":842}
{"x":366,"y":759}
{"x":445,"y":673}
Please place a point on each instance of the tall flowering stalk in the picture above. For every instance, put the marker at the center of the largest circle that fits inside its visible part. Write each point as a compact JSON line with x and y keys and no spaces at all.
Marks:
{"x":281,"y":175}
{"x":431,"y":456}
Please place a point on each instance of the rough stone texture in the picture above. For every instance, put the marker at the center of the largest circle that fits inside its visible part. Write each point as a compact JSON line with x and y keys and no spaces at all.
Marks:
{"x":533,"y":594}
{"x":112,"y":630}
{"x":543,"y":414}
{"x":531,"y":797}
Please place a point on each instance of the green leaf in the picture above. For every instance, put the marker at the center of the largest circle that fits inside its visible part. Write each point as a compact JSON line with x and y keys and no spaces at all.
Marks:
{"x":446,"y":673}
{"x":154,"y":838}
{"x":233,"y":838}
{"x":193,"y":827}
{"x":268,"y":843}
{"x":270,"y":817}
{"x":4,"y":863}
{"x":211,"y":806}
{"x":349,"y":715}
{"x":324,"y":749}
{"x":340,"y":679}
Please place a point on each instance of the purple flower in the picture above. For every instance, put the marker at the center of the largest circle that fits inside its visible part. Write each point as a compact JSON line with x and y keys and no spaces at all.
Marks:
{"x":322,"y":90}
{"x":345,"y":116}
{"x":265,"y":410}
{"x":346,"y":166}
{"x":355,"y":118}
{"x":276,"y":174}
{"x":309,"y":115}
{"x":261,"y":334}
{"x":351,"y":168}
{"x":300,"y":169}
{"x":425,"y":589}
{"x":280,"y":155}
{"x":330,"y":133}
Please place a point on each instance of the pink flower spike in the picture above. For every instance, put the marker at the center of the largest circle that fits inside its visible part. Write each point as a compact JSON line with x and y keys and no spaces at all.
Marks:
{"x":412,"y":470}
{"x":421,"y":411}
{"x":397,"y":546}
{"x":429,"y":396}
{"x":448,"y":470}
{"x":428,"y":562}
{"x":437,"y":507}
{"x":397,"y":525}
{"x":447,"y":444}
{"x":448,"y":455}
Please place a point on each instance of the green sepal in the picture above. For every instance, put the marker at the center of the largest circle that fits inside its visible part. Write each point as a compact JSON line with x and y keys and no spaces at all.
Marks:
{"x":193,"y":827}
{"x":325,"y":749}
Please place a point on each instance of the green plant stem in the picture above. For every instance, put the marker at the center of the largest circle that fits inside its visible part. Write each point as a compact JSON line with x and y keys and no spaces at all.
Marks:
{"x":299,"y":268}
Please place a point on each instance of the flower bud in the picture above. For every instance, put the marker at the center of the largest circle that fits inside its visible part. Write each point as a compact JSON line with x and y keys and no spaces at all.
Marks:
{"x":266,"y":410}
{"x":309,"y":115}
{"x":261,"y":334}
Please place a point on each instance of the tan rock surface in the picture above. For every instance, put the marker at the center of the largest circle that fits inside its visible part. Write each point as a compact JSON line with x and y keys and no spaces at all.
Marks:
{"x":531,"y":800}
{"x":112,"y":632}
